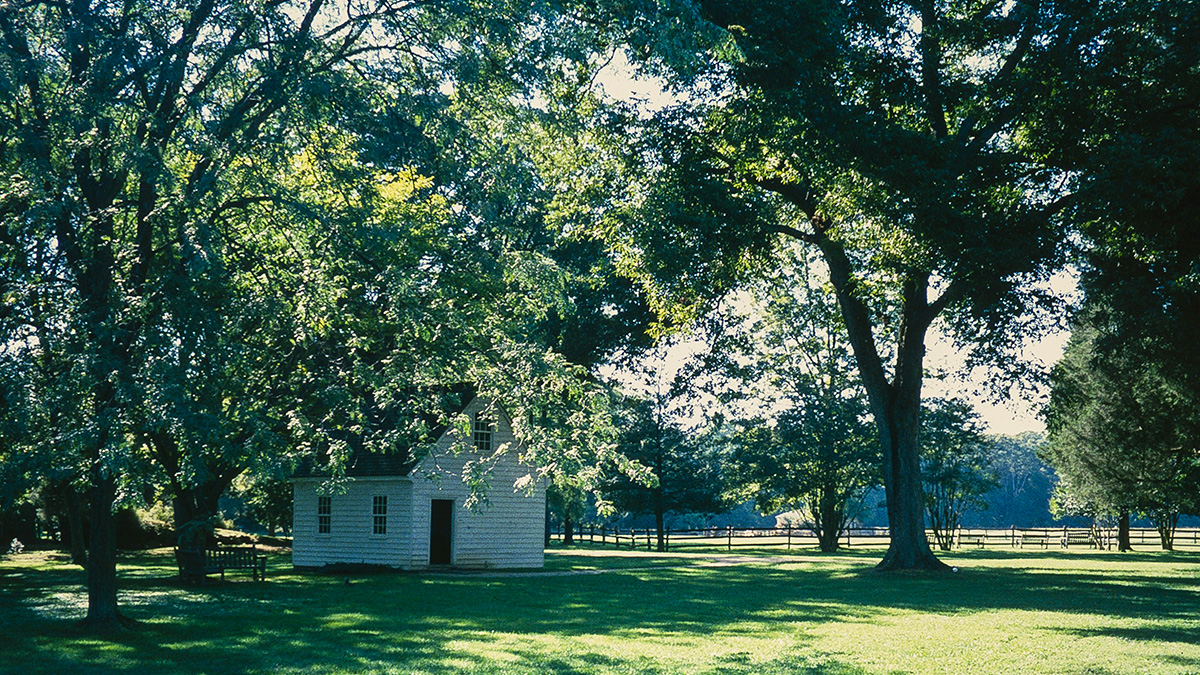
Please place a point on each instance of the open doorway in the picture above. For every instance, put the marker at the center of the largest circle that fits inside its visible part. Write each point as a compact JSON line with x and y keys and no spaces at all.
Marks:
{"x":441,"y":526}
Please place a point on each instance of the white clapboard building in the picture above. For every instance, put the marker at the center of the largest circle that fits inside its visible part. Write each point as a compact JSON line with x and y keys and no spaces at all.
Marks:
{"x":397,"y":511}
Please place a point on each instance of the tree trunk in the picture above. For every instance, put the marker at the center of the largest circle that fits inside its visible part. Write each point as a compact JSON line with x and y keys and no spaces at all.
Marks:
{"x":895,"y":403}
{"x":1124,"y":542}
{"x":827,"y":519}
{"x":899,"y":427}
{"x":568,"y":531}
{"x":199,"y":505}
{"x":103,"y":613}
{"x":76,"y":540}
{"x":1165,"y":522}
{"x":659,"y":526}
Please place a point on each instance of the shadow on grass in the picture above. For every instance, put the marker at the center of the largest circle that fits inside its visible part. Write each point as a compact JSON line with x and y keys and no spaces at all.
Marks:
{"x":410,"y":623}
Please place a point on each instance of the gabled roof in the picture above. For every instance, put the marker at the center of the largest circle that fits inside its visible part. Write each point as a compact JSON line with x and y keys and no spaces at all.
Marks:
{"x":361,"y":464}
{"x":396,"y":463}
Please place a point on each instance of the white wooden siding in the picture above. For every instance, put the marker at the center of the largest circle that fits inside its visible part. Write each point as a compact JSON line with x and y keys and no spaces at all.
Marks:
{"x":351,"y":537}
{"x":506,"y":532}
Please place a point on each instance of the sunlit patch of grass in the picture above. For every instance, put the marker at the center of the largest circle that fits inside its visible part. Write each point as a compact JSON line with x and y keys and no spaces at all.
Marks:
{"x":742,"y":612}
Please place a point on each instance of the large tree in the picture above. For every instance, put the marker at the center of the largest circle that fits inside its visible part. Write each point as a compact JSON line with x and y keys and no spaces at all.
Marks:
{"x":686,"y":471}
{"x":784,"y":347}
{"x":1122,"y":436}
{"x":128,"y":133}
{"x":820,"y":457}
{"x":1140,"y":213}
{"x":894,"y":138}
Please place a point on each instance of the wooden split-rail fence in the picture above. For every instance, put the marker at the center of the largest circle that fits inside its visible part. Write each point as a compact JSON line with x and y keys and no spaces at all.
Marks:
{"x":729,"y":538}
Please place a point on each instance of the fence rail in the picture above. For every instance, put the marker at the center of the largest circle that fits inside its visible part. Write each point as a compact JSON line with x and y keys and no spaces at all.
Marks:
{"x":730,"y":538}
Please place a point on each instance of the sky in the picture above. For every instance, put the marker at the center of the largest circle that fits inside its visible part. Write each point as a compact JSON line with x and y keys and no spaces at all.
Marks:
{"x":1011,"y":416}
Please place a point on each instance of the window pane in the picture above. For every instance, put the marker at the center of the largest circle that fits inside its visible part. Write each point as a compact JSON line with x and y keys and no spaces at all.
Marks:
{"x":379,"y":510}
{"x":482,"y":429}
{"x":324,"y":514}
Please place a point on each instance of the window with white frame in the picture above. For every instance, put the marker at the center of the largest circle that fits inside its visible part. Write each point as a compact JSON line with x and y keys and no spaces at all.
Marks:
{"x":324,"y":514}
{"x":482,"y":429}
{"x":379,"y":513}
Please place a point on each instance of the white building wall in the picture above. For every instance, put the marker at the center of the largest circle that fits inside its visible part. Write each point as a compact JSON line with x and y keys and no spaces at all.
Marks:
{"x":351,"y":537}
{"x":505,"y":532}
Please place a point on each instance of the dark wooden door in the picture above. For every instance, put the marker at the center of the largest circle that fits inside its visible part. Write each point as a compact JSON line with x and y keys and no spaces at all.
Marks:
{"x":441,"y":525}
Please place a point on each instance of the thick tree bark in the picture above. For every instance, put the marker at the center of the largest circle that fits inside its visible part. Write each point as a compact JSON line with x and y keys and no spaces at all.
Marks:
{"x":103,"y":612}
{"x":1124,"y":542}
{"x":76,"y":540}
{"x":828,"y":519}
{"x":909,"y":547}
{"x":568,"y":531}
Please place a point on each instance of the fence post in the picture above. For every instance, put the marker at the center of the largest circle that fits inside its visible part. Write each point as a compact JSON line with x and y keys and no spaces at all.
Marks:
{"x":648,"y":539}
{"x":729,"y":539}
{"x":789,"y":532}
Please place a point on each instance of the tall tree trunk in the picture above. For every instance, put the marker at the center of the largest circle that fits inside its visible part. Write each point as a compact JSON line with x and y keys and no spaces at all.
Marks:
{"x":568,"y":531}
{"x":1124,"y":542}
{"x":659,"y":525}
{"x":899,"y":432}
{"x":103,"y":613}
{"x":76,"y":540}
{"x":895,"y":402}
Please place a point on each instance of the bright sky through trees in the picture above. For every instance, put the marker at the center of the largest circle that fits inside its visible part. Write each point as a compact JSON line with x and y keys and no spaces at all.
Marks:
{"x":1017,"y":412}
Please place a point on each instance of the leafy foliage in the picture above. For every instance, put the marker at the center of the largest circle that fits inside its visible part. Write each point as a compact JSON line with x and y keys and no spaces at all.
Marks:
{"x":229,"y":235}
{"x":902,"y":142}
{"x":686,"y":471}
{"x":1025,"y":482}
{"x":1121,"y":436}
{"x":956,"y":466}
{"x":820,"y":451}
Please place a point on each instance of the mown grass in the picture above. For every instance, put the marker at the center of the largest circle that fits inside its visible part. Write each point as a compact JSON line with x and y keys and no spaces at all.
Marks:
{"x":768,"y":612}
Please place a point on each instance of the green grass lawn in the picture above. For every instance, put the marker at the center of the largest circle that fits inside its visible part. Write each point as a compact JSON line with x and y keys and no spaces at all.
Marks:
{"x":761,"y":612}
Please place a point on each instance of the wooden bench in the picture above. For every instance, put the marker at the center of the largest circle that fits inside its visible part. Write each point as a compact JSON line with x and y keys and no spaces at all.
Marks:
{"x":1040,"y":537}
{"x":1074,"y":537}
{"x":196,"y":564}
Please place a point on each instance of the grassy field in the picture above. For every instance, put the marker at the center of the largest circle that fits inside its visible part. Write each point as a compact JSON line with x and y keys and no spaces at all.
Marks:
{"x":595,"y":612}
